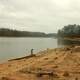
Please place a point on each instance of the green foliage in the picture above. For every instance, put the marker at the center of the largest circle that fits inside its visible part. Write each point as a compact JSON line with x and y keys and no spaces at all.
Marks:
{"x":69,"y":30}
{"x":4,"y":32}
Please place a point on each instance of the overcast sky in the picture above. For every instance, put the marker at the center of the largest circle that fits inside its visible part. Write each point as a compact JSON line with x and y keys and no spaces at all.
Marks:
{"x":39,"y":15}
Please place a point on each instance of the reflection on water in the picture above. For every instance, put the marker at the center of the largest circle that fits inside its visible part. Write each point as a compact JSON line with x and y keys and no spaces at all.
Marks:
{"x":66,"y":42}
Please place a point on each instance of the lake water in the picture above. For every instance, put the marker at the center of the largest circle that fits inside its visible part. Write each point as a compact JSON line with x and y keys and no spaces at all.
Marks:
{"x":18,"y":47}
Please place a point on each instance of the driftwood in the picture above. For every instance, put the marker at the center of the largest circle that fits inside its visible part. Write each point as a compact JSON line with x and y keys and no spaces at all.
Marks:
{"x":40,"y":73}
{"x":26,"y":57}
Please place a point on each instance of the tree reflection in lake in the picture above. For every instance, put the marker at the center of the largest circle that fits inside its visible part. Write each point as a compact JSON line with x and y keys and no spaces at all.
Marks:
{"x":67,"y":42}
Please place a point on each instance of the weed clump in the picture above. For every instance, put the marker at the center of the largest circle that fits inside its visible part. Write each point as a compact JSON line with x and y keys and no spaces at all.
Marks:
{"x":66,"y":74}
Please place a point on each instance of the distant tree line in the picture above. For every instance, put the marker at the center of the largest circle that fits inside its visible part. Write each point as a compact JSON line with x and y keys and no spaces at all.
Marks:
{"x":5,"y":32}
{"x":69,"y":31}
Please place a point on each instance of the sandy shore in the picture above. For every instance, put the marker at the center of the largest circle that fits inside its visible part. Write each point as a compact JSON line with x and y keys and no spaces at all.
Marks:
{"x":51,"y":64}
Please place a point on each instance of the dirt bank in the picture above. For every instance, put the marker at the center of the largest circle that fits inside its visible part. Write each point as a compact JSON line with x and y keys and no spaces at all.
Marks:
{"x":51,"y":64}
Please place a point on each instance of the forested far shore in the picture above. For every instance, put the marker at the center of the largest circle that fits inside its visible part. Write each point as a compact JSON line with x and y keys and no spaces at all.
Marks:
{"x":71,"y":31}
{"x":5,"y":32}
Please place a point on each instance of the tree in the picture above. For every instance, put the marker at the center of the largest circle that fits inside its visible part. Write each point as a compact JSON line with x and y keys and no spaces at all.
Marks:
{"x":70,"y":30}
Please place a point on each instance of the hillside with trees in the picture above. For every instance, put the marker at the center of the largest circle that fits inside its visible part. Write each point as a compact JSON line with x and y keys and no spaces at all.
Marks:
{"x":5,"y":32}
{"x":69,"y":31}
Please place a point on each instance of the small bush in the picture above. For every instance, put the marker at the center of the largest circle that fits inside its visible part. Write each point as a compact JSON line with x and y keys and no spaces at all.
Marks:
{"x":55,"y":66}
{"x":4,"y":78}
{"x":9,"y":65}
{"x":56,"y":58}
{"x":76,"y":78}
{"x":39,"y":75}
{"x":66,"y":74}
{"x":45,"y":58}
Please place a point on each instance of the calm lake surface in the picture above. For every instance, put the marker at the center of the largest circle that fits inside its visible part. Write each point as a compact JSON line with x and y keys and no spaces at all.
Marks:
{"x":17,"y":47}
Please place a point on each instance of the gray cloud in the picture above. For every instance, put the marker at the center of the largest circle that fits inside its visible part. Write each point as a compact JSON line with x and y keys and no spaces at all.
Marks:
{"x":39,"y":15}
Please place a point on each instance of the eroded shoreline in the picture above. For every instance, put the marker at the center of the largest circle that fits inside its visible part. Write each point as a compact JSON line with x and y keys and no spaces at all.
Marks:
{"x":55,"y":64}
